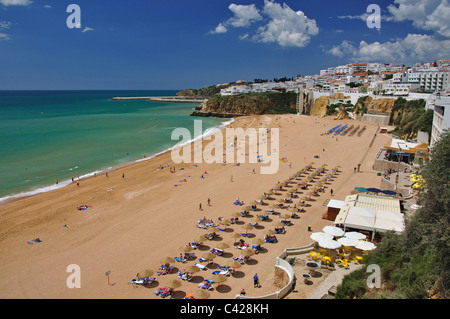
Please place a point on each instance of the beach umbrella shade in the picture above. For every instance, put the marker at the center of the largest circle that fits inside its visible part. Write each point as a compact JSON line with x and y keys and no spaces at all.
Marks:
{"x":344,"y":241}
{"x":332,"y":230}
{"x":174,"y":283}
{"x":167,"y":260}
{"x":201,"y":294}
{"x":318,"y":236}
{"x":146,"y":273}
{"x":329,"y":244}
{"x":354,"y":235}
{"x":365,"y":245}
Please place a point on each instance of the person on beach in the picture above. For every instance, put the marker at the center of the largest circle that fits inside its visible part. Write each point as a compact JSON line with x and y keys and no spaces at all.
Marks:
{"x":200,"y":206}
{"x":331,"y":191}
{"x":209,"y":201}
{"x":256,"y":281}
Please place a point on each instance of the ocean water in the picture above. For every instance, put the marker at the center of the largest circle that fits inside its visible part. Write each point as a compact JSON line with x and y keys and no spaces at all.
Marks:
{"x":49,"y":136}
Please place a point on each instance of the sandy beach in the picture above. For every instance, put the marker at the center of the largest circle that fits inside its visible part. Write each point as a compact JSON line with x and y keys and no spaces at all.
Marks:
{"x":138,"y":216}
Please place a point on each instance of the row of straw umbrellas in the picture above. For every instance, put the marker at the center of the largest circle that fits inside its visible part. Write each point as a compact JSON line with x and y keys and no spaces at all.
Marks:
{"x":302,"y":178}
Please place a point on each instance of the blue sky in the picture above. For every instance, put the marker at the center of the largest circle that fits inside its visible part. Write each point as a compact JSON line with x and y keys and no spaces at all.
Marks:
{"x":177,"y":44}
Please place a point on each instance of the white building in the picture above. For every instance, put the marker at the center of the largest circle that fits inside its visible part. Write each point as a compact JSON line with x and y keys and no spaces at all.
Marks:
{"x":441,"y":119}
{"x":430,"y":80}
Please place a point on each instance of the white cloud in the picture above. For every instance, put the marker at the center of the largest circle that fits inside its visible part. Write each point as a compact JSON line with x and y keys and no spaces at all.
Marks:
{"x":15,"y":2}
{"x":427,"y":15}
{"x":5,"y":24}
{"x":430,"y":15}
{"x":86,"y":29}
{"x":286,"y":27}
{"x":219,"y":29}
{"x":278,"y":24}
{"x":244,"y":15}
{"x":413,"y":48}
{"x":47,"y":6}
{"x":4,"y":36}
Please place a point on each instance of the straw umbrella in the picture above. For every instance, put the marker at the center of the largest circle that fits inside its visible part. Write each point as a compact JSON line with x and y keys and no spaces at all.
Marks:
{"x":278,"y":224}
{"x":219,"y":279}
{"x":145,"y":273}
{"x":234,"y":264}
{"x":258,"y":241}
{"x":247,"y":252}
{"x":222,"y":245}
{"x":270,"y":232}
{"x":236,"y":235}
{"x":285,"y":216}
{"x":201,"y":294}
{"x":208,"y":256}
{"x":186,"y":248}
{"x":237,"y":214}
{"x":167,"y":260}
{"x":192,"y":269}
{"x":247,"y":227}
{"x":174,"y":283}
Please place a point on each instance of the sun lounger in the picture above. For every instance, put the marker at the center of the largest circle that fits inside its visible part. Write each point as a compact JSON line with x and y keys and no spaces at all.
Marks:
{"x":216,"y":251}
{"x":224,"y":272}
{"x":202,"y":267}
{"x":245,"y":235}
{"x":181,"y":260}
{"x":143,"y":281}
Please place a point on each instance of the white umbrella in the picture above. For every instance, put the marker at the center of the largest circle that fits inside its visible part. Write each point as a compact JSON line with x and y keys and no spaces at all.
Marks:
{"x":344,"y":241}
{"x":329,"y":244}
{"x":365,"y":245}
{"x":320,"y":236}
{"x":333,"y":230}
{"x":354,"y":235}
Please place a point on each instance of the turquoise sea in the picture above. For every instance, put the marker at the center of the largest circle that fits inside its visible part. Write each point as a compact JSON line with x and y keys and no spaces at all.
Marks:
{"x":49,"y":136}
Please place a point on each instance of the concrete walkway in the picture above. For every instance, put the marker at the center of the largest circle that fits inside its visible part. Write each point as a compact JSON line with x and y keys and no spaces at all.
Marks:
{"x":333,"y":279}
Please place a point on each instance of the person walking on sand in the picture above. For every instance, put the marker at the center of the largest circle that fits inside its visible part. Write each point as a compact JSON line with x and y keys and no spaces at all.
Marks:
{"x":209,"y":201}
{"x":331,"y":191}
{"x":256,"y":281}
{"x":200,"y":206}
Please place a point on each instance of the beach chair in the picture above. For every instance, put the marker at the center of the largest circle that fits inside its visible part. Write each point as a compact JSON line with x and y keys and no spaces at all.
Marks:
{"x":224,"y":272}
{"x":190,"y":256}
{"x":143,"y":281}
{"x":245,"y":235}
{"x":181,"y":260}
{"x":184,"y":276}
{"x":216,"y":251}
{"x":205,"y":285}
{"x":202,"y":267}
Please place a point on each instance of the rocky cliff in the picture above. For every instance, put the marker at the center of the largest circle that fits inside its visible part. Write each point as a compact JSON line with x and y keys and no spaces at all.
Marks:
{"x":248,"y":104}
